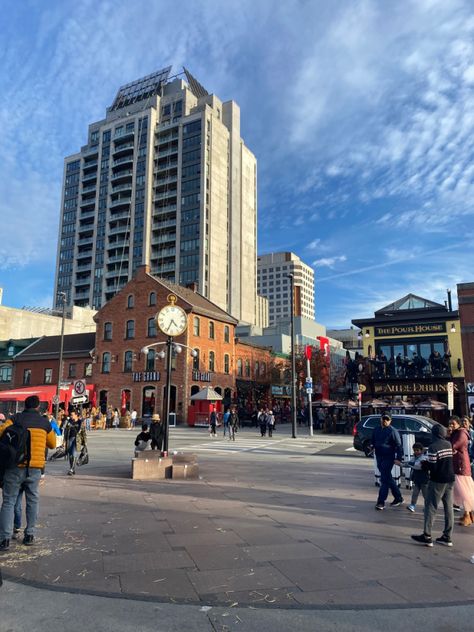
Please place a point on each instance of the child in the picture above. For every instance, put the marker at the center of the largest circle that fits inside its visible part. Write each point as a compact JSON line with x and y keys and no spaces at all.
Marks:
{"x":143,"y":439}
{"x":419,"y":477}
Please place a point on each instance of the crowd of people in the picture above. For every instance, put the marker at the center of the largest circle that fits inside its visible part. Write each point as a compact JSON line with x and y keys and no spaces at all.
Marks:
{"x":435,"y":365}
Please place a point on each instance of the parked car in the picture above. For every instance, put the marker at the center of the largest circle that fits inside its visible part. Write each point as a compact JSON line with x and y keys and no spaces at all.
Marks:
{"x":415,"y":424}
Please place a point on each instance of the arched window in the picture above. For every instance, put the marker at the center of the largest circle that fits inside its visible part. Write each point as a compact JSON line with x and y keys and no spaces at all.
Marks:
{"x":211,"y":330}
{"x":263,"y":369}
{"x":196,"y":326}
{"x":194,"y":389}
{"x":127,"y":361}
{"x":130,"y":329}
{"x":239,"y":366}
{"x":196,"y":360}
{"x":211,"y":361}
{"x":151,"y":328}
{"x":226,"y":363}
{"x":107,"y":331}
{"x":247,"y":368}
{"x":150,"y":360}
{"x":226,"y":333}
{"x":106,"y":362}
{"x":152,"y":298}
{"x":257,"y":369}
{"x":130,"y":301}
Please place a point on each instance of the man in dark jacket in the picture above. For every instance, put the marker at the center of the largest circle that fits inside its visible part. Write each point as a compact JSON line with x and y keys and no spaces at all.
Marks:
{"x":440,"y":488}
{"x":388,"y":451}
{"x":27,"y":474}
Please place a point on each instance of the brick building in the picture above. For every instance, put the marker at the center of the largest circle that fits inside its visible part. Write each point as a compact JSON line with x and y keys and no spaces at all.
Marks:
{"x":127,"y":378}
{"x":466,"y":316}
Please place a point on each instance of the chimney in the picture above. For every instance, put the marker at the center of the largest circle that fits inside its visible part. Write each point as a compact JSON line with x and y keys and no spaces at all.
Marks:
{"x":450,"y":305}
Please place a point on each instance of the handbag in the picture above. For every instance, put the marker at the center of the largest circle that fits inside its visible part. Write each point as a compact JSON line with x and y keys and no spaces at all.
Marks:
{"x":83,"y":458}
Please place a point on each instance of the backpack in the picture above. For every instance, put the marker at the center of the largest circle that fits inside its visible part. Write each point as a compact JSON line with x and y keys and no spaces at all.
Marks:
{"x":15,"y":446}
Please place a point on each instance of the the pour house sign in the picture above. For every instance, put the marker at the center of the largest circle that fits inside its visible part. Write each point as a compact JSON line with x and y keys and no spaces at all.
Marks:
{"x":408,"y":330}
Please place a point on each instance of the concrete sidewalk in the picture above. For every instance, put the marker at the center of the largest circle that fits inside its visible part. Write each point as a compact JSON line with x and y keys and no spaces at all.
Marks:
{"x":296,"y":533}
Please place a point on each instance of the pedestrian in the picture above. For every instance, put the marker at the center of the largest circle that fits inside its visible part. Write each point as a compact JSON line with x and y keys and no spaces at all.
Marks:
{"x":387,"y":445}
{"x":116,"y":419}
{"x":270,"y":423}
{"x":212,"y":423}
{"x":142,"y":439}
{"x":262,"y":422}
{"x":440,"y":488}
{"x":156,"y":432}
{"x":225,"y":421}
{"x":109,"y":415}
{"x":75,"y":439}
{"x":133,"y":419}
{"x":463,"y":483}
{"x":26,"y":474}
{"x":17,"y":511}
{"x":233,"y":423}
{"x":419,"y":476}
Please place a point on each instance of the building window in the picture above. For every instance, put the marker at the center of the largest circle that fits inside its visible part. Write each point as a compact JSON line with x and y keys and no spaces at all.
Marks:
{"x":107,"y":331}
{"x":257,"y":369}
{"x":151,"y":328}
{"x":88,"y":369}
{"x":106,"y":362}
{"x":130,"y":329}
{"x":27,"y":377}
{"x":152,"y":298}
{"x":239,"y":367}
{"x":247,"y":368}
{"x":72,"y":370}
{"x":127,"y":362}
{"x":226,"y":333}
{"x":211,"y":330}
{"x":150,"y":360}
{"x":5,"y":374}
{"x":226,"y":363}
{"x":48,"y":376}
{"x":130,"y":301}
{"x":196,"y":360}
{"x":196,"y":326}
{"x":263,"y":369}
{"x":211,"y":361}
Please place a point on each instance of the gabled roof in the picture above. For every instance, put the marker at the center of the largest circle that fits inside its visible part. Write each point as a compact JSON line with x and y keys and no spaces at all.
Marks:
{"x":199,"y":304}
{"x":49,"y":347}
{"x":409,"y":302}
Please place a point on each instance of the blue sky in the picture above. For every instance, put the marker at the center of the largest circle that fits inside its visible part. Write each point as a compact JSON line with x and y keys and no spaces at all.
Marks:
{"x":361,"y":115}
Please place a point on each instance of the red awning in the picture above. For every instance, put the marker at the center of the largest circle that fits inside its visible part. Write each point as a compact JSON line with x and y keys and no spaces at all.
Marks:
{"x":45,"y":393}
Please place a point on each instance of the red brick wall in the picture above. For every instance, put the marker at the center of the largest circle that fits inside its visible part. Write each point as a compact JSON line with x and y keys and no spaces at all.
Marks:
{"x":38,"y":367}
{"x":466,"y":316}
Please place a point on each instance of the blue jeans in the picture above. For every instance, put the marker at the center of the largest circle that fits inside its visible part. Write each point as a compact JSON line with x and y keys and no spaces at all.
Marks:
{"x":12,"y":482}
{"x":17,"y":509}
{"x":386,"y":480}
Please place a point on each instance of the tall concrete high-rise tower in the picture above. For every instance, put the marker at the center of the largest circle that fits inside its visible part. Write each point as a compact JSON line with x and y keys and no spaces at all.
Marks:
{"x":165,"y":180}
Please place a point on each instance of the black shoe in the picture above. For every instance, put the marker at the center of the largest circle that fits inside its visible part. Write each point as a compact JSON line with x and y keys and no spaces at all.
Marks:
{"x":423,"y":539}
{"x":380,"y":506}
{"x":397,"y":502}
{"x":4,"y":545}
{"x":29,"y":540}
{"x":444,"y":540}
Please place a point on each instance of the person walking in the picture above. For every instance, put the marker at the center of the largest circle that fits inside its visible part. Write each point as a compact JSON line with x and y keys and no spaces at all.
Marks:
{"x":440,"y":488}
{"x":262,"y":422}
{"x":116,"y":419}
{"x":26,"y":474}
{"x":212,"y":423}
{"x":388,"y":451}
{"x":133,"y":419}
{"x":270,"y":423}
{"x":463,"y":483}
{"x":233,"y":423}
{"x":156,"y":432}
{"x":419,"y":477}
{"x":75,"y":439}
{"x":225,"y":422}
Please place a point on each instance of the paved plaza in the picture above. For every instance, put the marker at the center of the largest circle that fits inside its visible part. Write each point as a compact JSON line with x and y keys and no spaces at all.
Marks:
{"x":274,"y":528}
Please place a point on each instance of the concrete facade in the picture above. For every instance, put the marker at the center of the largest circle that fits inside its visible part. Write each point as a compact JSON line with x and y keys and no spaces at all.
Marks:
{"x":466,"y":318}
{"x":23,"y":323}
{"x":273,"y":283}
{"x":167,"y":181}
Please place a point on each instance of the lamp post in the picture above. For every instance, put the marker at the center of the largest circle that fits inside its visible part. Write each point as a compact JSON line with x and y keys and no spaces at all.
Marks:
{"x":62,"y":296}
{"x":293,"y":360}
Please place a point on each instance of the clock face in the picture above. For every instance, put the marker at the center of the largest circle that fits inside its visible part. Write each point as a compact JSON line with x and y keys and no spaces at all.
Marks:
{"x":172,"y":320}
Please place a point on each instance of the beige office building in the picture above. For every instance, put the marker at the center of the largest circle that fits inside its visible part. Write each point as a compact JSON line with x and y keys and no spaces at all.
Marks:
{"x":165,"y":179}
{"x":273,"y":283}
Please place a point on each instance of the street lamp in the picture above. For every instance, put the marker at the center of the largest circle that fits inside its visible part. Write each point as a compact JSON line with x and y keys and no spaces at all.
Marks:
{"x":293,"y":361}
{"x":62,"y":298}
{"x":170,"y":348}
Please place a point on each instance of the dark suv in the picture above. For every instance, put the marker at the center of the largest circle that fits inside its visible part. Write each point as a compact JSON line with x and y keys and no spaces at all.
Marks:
{"x":415,"y":424}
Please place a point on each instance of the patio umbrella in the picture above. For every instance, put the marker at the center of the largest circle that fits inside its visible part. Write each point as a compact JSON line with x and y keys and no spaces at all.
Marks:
{"x":432,"y":404}
{"x":325,"y":403}
{"x":400,"y":403}
{"x":348,"y":403}
{"x":376,"y":403}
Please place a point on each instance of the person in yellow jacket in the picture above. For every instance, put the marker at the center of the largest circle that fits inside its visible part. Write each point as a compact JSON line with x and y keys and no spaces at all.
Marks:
{"x":27,"y":475}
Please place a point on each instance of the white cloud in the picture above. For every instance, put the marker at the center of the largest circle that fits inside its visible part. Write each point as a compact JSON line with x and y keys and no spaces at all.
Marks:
{"x":328,"y":261}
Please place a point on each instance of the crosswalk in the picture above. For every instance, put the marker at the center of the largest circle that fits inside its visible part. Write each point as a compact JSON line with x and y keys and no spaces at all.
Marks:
{"x":250,"y":444}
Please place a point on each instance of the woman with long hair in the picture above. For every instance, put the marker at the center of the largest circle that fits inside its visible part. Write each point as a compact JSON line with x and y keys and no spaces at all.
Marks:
{"x":463,"y":484}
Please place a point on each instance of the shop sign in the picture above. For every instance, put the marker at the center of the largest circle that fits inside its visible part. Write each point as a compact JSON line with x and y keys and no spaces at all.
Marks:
{"x":470,"y":387}
{"x":281,"y":391}
{"x":413,"y":388}
{"x":202,"y":377}
{"x":410,"y":329}
{"x":146,"y":376}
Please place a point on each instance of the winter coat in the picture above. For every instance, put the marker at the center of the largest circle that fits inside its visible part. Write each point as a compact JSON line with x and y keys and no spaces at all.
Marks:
{"x":387,"y":443}
{"x":156,"y":431}
{"x":460,"y":441}
{"x":75,"y":430}
{"x":41,"y":435}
